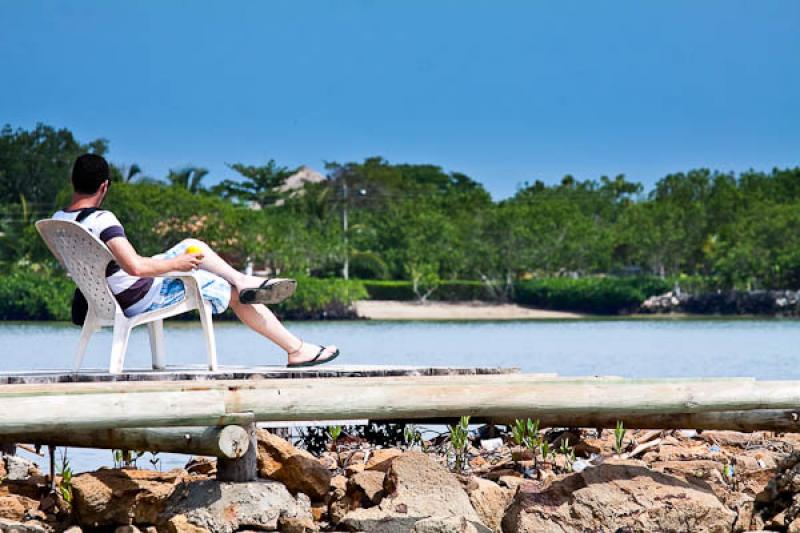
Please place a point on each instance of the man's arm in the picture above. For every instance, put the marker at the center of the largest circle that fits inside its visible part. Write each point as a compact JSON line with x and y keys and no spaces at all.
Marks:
{"x":136,"y":265}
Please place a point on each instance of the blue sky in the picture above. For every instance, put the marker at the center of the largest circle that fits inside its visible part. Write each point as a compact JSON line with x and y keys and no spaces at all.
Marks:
{"x":506,"y":92}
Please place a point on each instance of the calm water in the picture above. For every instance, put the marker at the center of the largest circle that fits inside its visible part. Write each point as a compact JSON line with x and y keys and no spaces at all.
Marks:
{"x":766,"y":349}
{"x":632,"y":348}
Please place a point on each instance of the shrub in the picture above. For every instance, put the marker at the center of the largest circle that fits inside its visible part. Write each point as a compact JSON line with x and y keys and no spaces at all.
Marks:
{"x":28,"y":294}
{"x":322,"y":298}
{"x":447,"y":291}
{"x":608,"y":296}
{"x":390,"y":290}
{"x":368,"y":265}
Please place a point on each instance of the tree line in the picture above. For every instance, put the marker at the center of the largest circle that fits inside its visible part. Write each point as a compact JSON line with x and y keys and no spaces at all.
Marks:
{"x":423,"y":223}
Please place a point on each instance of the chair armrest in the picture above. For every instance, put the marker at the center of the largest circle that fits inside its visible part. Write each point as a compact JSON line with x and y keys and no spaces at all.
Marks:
{"x":187,"y":277}
{"x":190,"y":282}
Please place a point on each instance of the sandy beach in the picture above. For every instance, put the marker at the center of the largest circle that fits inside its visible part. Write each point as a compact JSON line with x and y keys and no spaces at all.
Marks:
{"x":393,"y":310}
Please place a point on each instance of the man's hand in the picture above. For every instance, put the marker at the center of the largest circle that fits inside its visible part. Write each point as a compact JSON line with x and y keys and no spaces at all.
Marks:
{"x":136,"y":265}
{"x":187,"y":262}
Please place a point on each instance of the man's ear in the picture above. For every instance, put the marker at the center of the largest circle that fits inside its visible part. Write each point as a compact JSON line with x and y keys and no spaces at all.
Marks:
{"x":103,"y":190}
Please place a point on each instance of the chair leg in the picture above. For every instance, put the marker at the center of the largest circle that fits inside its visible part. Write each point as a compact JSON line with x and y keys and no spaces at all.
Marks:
{"x":208,"y":330}
{"x":88,"y":330}
{"x":156,"y":329}
{"x":119,"y":344}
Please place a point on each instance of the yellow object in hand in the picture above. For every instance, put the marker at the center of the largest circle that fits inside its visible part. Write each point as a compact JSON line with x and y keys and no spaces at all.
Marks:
{"x":193,"y":249}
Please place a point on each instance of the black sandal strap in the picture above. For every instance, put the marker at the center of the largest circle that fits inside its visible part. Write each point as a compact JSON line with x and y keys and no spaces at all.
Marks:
{"x":321,"y":351}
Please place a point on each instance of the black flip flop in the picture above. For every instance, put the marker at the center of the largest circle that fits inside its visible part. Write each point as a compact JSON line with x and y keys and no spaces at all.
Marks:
{"x":269,"y":292}
{"x":315,"y":362}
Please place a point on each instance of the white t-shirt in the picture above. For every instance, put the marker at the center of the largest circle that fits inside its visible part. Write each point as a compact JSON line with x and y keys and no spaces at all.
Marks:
{"x":134,"y":294}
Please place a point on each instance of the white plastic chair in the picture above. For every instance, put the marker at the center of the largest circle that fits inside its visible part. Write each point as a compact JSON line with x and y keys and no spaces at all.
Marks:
{"x":85,"y":258}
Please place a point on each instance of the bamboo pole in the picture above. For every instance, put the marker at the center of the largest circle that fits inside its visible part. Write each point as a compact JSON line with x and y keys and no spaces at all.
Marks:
{"x":228,"y":442}
{"x":125,"y":404}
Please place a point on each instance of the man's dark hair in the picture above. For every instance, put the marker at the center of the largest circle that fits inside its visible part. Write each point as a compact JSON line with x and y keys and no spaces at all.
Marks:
{"x":88,"y":173}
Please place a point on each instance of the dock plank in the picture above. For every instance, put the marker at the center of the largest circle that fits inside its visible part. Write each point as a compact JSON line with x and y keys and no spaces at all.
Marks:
{"x":199,"y":373}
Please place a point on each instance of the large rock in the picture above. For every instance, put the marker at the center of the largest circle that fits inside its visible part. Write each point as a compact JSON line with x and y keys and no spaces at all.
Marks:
{"x":180,"y":524}
{"x":381,"y":458}
{"x":12,"y":526}
{"x":449,"y":524}
{"x":295,"y":468}
{"x":227,"y":507}
{"x":490,"y":501}
{"x":705,"y":474}
{"x":619,"y":495}
{"x":416,"y":488}
{"x":16,"y":507}
{"x":730,"y":438}
{"x":367,"y":487}
{"x":18,"y":468}
{"x":122,"y":496}
{"x":782,"y":494}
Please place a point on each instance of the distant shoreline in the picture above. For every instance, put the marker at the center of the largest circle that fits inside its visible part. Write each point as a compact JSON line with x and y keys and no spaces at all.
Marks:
{"x":400,"y":310}
{"x":488,"y":311}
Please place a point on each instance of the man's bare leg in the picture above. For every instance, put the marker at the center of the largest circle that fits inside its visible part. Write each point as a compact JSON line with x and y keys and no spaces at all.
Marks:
{"x":217,"y":265}
{"x":256,"y":316}
{"x":261,"y":320}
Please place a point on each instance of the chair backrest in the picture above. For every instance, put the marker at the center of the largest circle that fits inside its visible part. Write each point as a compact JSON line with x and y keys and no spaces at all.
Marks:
{"x":85,"y":257}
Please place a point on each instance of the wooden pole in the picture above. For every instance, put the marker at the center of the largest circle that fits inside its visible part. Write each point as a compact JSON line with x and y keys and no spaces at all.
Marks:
{"x":778,"y":420}
{"x":147,"y":404}
{"x":229,"y":442}
{"x":243,"y":468}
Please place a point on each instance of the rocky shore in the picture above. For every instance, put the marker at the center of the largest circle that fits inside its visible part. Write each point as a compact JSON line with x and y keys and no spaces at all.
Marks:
{"x":572,"y":480}
{"x":774,"y":303}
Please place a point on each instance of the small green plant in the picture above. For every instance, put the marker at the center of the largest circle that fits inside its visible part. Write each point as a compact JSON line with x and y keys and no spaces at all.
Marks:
{"x":532,"y":438}
{"x":335,"y":432}
{"x":458,"y":441}
{"x":64,"y":471}
{"x":126,"y":458}
{"x":568,"y":452}
{"x":518,"y":432}
{"x":619,"y":437}
{"x":412,"y":436}
{"x":526,"y":433}
{"x":117,"y":455}
{"x":545,"y":447}
{"x":728,"y":471}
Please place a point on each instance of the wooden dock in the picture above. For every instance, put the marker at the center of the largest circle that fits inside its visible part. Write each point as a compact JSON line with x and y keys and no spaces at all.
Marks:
{"x":201,"y":373}
{"x":42,"y":401}
{"x":199,"y":411}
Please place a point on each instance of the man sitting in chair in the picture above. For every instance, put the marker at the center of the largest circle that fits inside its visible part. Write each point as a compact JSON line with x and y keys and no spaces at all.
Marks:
{"x":131,"y":276}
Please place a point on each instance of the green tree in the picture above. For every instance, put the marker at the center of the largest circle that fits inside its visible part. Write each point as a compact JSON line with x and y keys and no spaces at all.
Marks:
{"x":260,"y":184}
{"x":35,"y":165}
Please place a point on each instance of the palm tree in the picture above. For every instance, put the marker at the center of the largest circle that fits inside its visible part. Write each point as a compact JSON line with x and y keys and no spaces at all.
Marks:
{"x":127,"y":173}
{"x":189,"y":178}
{"x":131,"y":172}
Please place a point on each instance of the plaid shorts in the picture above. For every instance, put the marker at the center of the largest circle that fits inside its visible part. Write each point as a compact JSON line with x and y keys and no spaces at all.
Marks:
{"x":214,"y":289}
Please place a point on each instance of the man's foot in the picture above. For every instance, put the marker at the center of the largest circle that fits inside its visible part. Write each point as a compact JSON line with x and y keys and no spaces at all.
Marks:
{"x":312,"y":355}
{"x":269,"y":291}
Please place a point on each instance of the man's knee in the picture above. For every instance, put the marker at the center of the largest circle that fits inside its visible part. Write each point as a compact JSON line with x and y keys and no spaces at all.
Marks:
{"x":195,"y":242}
